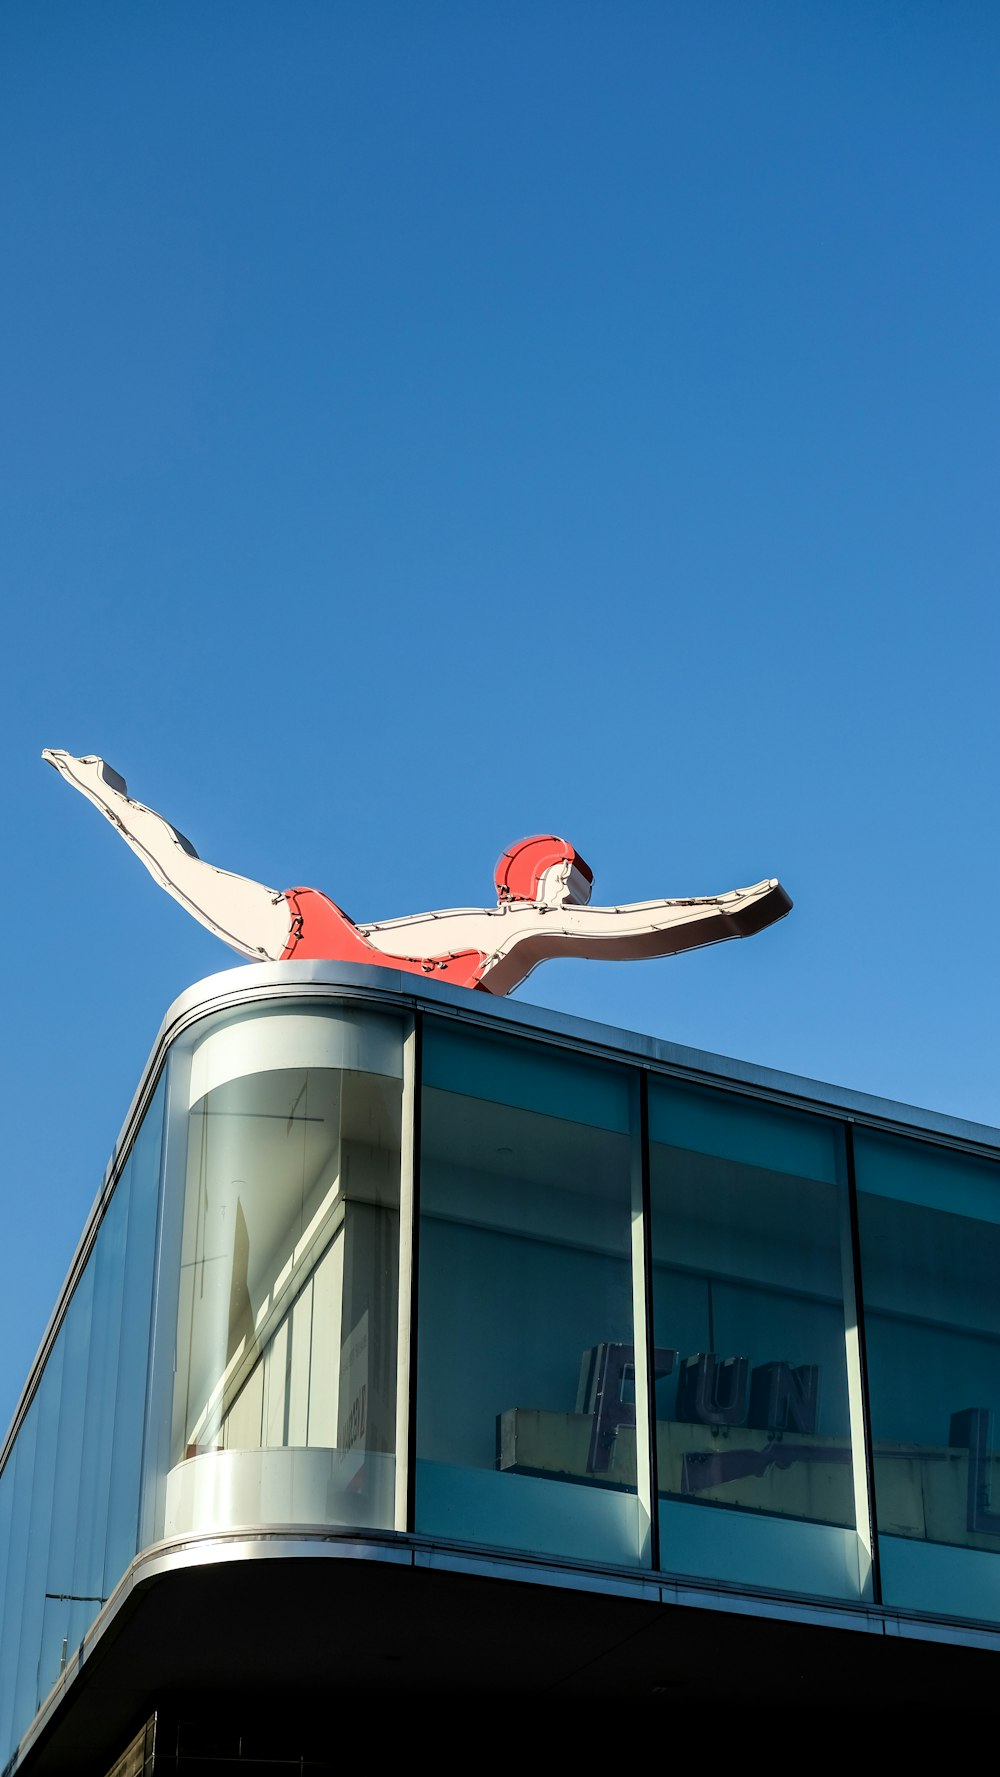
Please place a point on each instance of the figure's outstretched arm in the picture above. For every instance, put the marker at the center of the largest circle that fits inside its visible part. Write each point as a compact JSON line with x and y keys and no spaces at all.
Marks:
{"x":630,"y":933}
{"x":252,"y":919}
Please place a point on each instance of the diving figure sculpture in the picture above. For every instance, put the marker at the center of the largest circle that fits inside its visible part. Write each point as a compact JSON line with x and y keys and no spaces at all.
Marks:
{"x":543,"y":889}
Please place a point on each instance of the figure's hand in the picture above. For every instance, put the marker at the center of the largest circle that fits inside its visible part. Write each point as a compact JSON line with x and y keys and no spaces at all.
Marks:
{"x":91,"y":775}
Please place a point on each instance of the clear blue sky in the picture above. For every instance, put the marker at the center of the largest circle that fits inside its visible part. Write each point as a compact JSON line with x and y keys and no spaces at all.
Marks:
{"x":426,"y":424}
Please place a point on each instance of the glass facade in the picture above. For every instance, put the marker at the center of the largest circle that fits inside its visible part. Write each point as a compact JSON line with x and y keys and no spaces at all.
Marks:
{"x":930,"y":1244}
{"x":526,"y":1172}
{"x":70,"y":1487}
{"x":365,"y":1266}
{"x":750,"y":1238}
{"x":283,"y":1247}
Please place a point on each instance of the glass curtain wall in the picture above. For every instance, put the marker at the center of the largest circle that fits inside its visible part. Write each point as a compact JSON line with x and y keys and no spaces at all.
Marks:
{"x":230,"y":1350}
{"x":753,"y":1422}
{"x":233,"y":1360}
{"x":526,"y":1314}
{"x":69,"y":1492}
{"x":930,"y":1247}
{"x":285,"y":1173}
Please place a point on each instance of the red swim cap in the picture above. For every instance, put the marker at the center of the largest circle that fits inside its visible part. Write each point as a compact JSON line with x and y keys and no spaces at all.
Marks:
{"x":520,"y":868}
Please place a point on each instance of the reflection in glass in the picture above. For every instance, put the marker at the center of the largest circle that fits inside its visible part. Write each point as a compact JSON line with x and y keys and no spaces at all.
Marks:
{"x":76,"y":1525}
{"x":121,"y":1541}
{"x":94,"y":1475}
{"x":930,"y":1246}
{"x":60,"y":1610}
{"x":284,"y":1397}
{"x":525,"y":1288}
{"x":27,"y":1695}
{"x":754,"y":1449}
{"x":6,"y":1510}
{"x":17,"y":1572}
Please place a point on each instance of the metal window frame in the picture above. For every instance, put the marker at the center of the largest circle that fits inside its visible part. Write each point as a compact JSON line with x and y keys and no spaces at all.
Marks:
{"x":640,"y":1263}
{"x":409,"y":1279}
{"x":646,"y":1260}
{"x":864,"y":1460}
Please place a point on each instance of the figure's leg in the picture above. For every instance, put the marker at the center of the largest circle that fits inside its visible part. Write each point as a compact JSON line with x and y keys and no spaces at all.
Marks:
{"x":251,"y":918}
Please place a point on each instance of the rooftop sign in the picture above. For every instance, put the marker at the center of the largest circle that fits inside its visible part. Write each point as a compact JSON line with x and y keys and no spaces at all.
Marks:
{"x":543,"y":892}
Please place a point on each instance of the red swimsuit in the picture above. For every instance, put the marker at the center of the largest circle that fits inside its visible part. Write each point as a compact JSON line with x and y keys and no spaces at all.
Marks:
{"x":321,"y":931}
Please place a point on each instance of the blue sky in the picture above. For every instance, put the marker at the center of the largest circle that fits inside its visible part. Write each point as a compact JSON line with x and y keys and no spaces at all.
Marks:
{"x":427,"y":424}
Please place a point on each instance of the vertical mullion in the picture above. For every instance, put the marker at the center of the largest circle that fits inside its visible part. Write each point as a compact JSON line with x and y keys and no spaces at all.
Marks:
{"x":858,"y":1363}
{"x":640,"y":1318}
{"x":647,"y":1332}
{"x":409,"y":1239}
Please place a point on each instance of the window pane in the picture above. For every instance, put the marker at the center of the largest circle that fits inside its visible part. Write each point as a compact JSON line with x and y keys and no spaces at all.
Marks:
{"x":133,"y":1350}
{"x":23,"y":1459}
{"x":6,"y":1502}
{"x":28,"y":1692}
{"x":525,"y":1301}
{"x":107,"y":1261}
{"x":61,"y":1473}
{"x":74,"y":1339}
{"x":6,"y":1512}
{"x":930,"y":1245}
{"x":284,"y":1401}
{"x":753,"y":1423}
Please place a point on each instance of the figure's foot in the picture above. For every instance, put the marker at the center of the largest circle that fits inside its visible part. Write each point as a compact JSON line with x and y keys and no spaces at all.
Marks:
{"x":90,"y":774}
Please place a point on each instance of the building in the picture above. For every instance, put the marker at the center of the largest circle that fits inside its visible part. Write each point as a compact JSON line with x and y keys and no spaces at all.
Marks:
{"x":422,"y":1343}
